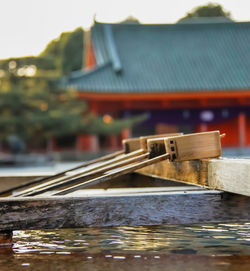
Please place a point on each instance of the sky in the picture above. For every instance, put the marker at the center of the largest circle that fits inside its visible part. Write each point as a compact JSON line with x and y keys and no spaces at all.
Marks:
{"x":26,"y":26}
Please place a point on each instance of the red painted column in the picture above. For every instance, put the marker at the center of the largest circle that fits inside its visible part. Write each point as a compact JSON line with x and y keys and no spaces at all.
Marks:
{"x":93,"y":107}
{"x":113,"y":142}
{"x":51,"y":145}
{"x":87,"y":143}
{"x":242,"y":129}
{"x":126,"y":133}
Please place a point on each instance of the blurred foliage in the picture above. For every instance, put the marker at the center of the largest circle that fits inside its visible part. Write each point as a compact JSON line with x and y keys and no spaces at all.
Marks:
{"x":34,"y":108}
{"x":209,"y":10}
{"x":99,"y":126}
{"x":67,"y":51}
{"x":44,"y":63}
{"x":61,"y":56}
{"x":72,"y":55}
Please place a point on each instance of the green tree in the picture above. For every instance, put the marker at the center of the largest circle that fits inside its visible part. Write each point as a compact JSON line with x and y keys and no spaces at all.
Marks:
{"x":72,"y":54}
{"x":99,"y":126}
{"x":60,"y":57}
{"x":209,"y":10}
{"x":42,"y":63}
{"x":54,"y":50}
{"x":66,"y":51}
{"x":34,"y":109}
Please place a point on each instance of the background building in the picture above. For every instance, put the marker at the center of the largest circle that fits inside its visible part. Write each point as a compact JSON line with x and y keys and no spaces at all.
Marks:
{"x":188,"y":77}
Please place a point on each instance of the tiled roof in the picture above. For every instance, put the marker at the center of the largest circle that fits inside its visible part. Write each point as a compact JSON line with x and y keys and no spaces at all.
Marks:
{"x":168,"y":58}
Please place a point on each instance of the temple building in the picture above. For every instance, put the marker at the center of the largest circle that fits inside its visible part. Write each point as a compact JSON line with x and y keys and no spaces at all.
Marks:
{"x":189,"y":77}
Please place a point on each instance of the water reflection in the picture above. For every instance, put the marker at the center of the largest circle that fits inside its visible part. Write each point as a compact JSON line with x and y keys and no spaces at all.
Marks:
{"x":188,"y":247}
{"x":194,"y":239}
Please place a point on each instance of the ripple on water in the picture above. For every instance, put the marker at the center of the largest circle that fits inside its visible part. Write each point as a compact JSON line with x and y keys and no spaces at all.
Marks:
{"x":186,"y":247}
{"x":223,"y":239}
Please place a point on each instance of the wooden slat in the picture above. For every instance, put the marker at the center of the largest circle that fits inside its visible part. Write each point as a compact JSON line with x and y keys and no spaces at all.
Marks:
{"x":85,"y":176}
{"x":114,"y":174}
{"x":230,"y":175}
{"x":194,"y":146}
{"x":62,"y":173}
{"x":179,"y":207}
{"x":144,"y":139}
{"x":87,"y":170}
{"x":132,"y":144}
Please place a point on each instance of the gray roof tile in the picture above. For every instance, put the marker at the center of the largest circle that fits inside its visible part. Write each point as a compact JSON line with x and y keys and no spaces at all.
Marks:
{"x":169,"y":58}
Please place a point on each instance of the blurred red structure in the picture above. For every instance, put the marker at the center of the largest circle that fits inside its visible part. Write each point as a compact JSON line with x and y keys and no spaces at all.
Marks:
{"x":189,"y":77}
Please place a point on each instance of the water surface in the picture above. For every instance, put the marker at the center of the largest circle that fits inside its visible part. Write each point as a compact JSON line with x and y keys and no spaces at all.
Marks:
{"x":168,"y":247}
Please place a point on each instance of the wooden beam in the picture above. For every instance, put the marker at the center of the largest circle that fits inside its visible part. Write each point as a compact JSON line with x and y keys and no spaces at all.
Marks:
{"x":160,"y":96}
{"x":123,"y":209}
{"x":230,"y":175}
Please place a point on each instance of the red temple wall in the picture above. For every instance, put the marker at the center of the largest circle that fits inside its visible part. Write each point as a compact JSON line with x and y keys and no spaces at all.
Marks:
{"x":230,"y":128}
{"x":237,"y":133}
